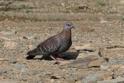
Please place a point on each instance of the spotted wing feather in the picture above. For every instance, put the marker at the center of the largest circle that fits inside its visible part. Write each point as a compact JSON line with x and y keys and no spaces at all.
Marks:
{"x":49,"y":46}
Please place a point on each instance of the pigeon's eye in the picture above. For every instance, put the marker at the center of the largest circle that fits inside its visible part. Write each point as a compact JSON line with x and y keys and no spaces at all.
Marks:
{"x":68,"y":25}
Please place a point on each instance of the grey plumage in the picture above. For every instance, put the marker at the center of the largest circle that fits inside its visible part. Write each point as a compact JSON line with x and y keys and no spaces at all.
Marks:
{"x":54,"y":45}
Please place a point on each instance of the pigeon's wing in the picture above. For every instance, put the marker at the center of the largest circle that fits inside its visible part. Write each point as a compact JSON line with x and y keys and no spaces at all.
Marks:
{"x":49,"y":46}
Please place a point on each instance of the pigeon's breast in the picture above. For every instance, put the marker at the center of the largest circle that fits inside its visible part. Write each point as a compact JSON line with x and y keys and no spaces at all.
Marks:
{"x":65,"y":45}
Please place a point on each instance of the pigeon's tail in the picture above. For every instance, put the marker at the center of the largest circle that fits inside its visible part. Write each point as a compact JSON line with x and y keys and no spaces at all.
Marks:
{"x":31,"y":54}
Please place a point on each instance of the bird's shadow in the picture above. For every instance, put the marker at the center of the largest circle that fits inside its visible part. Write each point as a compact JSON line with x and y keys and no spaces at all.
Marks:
{"x":65,"y":56}
{"x":70,"y":55}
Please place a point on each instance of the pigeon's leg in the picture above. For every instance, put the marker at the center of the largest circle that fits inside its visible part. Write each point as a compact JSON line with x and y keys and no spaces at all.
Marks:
{"x":57,"y":62}
{"x":59,"y":57}
{"x":53,"y":57}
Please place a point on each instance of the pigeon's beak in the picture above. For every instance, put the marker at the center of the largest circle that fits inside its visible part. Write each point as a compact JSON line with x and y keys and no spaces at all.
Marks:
{"x":73,"y":27}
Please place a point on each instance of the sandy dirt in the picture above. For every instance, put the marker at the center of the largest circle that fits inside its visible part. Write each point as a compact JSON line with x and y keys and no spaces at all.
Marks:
{"x":98,"y":33}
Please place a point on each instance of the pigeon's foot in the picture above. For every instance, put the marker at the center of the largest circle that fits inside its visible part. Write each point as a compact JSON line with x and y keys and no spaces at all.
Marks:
{"x":62,"y":62}
{"x":57,"y":62}
{"x":59,"y":59}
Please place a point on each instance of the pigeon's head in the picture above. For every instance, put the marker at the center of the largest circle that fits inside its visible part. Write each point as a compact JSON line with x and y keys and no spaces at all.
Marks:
{"x":68,"y":25}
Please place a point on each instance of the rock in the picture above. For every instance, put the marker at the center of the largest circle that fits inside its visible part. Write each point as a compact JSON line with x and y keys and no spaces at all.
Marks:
{"x":78,"y":81}
{"x":10,"y":44}
{"x":24,"y":37}
{"x":86,"y":50}
{"x":104,"y":67}
{"x":113,"y":54}
{"x":2,"y":71}
{"x":83,"y":7}
{"x":24,"y":74}
{"x":63,"y":4}
{"x":36,"y":81}
{"x":87,"y":47}
{"x":55,"y":77}
{"x":19,"y":66}
{"x":97,"y":76}
{"x":28,"y":37}
{"x":102,"y":20}
{"x":8,"y":35}
{"x":3,"y":59}
{"x":30,"y":46}
{"x":84,"y":54}
{"x":13,"y":60}
{"x":23,"y":71}
{"x":116,"y":60}
{"x":5,"y":38}
{"x":117,"y":70}
{"x":8,"y":81}
{"x":96,"y":63}
{"x":83,"y":62}
{"x":7,"y":32}
{"x":117,"y":80}
{"x":81,"y":55}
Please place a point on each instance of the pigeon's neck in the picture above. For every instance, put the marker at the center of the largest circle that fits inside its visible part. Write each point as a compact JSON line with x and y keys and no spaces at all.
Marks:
{"x":66,"y":29}
{"x":67,"y":32}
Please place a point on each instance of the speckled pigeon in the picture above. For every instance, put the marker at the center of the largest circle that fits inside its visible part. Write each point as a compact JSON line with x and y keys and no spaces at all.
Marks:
{"x":55,"y":45}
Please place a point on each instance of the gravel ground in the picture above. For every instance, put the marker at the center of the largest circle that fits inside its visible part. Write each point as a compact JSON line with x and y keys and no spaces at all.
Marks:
{"x":99,"y":35}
